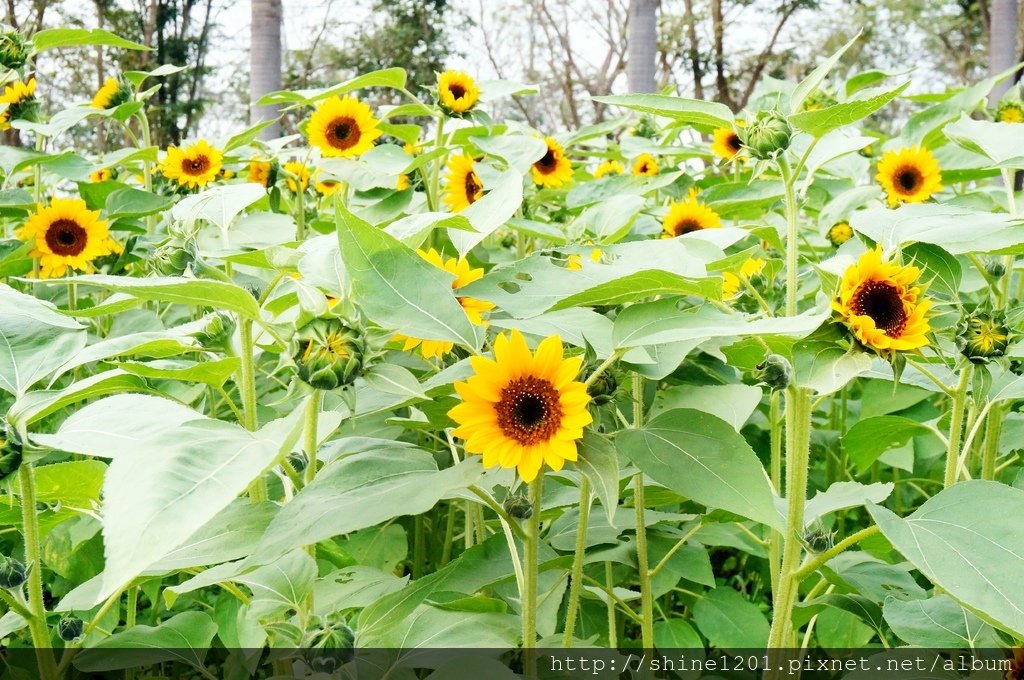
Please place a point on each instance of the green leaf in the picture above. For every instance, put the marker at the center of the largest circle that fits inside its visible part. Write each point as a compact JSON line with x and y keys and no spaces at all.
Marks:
{"x":691,"y":111}
{"x":398,"y":289}
{"x":136,"y":78}
{"x":962,"y":539}
{"x":610,"y":220}
{"x":843,"y":495}
{"x":179,"y":290}
{"x":599,"y":462}
{"x":826,"y":368}
{"x":814,"y":79}
{"x":942,"y":225}
{"x":228,"y":536}
{"x":247,"y":136}
{"x":498,"y":205}
{"x":220,"y":204}
{"x":730,"y":621}
{"x":131,"y":202}
{"x":518,"y":151}
{"x":1000,"y":143}
{"x":74,"y":483}
{"x":823,"y":121}
{"x":34,"y":340}
{"x":937,"y":622}
{"x":871,"y":437}
{"x":429,"y":625}
{"x":38,"y":404}
{"x":941,"y":270}
{"x":53,"y":38}
{"x":214,"y":373}
{"x":676,"y":634}
{"x":732,"y":403}
{"x":703,"y":458}
{"x":183,"y":638}
{"x":389,"y":77}
{"x":393,"y":379}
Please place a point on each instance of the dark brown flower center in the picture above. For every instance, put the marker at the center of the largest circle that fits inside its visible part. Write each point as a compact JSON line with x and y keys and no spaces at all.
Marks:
{"x":195,"y":166}
{"x":457,"y":91}
{"x":733,"y":142}
{"x":474,"y":188}
{"x":686,"y":226}
{"x":908,"y":179}
{"x":881,"y":301}
{"x":548,"y":162}
{"x":66,"y":238}
{"x":528,"y":411}
{"x":343,"y":133}
{"x":645,"y":168}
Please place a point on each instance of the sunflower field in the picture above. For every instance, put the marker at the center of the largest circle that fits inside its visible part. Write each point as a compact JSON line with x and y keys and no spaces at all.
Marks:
{"x":417,"y":379}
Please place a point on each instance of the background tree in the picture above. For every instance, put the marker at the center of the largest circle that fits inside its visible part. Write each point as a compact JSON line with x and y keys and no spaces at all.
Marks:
{"x":642,"y":45}
{"x":264,"y":62}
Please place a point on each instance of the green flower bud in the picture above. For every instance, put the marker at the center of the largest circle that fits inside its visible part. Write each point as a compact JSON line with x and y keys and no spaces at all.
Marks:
{"x":645,"y":128}
{"x":775,"y":371}
{"x":982,"y":337}
{"x":768,"y":136}
{"x":172,"y":259}
{"x":817,"y":539}
{"x":11,"y":453}
{"x":995,"y":267}
{"x":839,"y":233}
{"x":13,"y":50}
{"x":329,"y":353}
{"x":518,"y":507}
{"x":602,"y":390}
{"x":12,"y":573}
{"x":217,"y":332}
{"x":1016,"y":367}
{"x":330,"y":648}
{"x":70,"y":628}
{"x":298,"y":460}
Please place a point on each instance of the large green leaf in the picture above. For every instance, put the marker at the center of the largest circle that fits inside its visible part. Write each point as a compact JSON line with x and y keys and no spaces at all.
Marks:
{"x":730,"y":621}
{"x":937,"y":622}
{"x":692,"y":111}
{"x":398,"y":289}
{"x":942,"y":225}
{"x":53,"y":38}
{"x":180,"y":290}
{"x":34,"y":340}
{"x":183,"y":638}
{"x":219,"y":205}
{"x":871,"y":437}
{"x":599,"y":462}
{"x":822,"y":121}
{"x":489,"y":213}
{"x":703,"y":458}
{"x":808,"y":85}
{"x":389,"y":77}
{"x":1001,"y":143}
{"x":731,"y":403}
{"x":38,"y":404}
{"x":966,"y":539}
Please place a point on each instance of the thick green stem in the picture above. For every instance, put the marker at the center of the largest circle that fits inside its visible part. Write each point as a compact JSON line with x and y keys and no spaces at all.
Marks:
{"x":37,"y":622}
{"x":300,"y":211}
{"x":531,"y":568}
{"x":993,"y":430}
{"x":642,"y":565}
{"x":247,"y":388}
{"x":798,"y":427}
{"x":774,"y":546}
{"x":812,"y":565}
{"x":575,"y":582}
{"x":147,"y":169}
{"x":310,"y":440}
{"x":613,"y":626}
{"x":956,"y":426}
{"x":792,"y":241}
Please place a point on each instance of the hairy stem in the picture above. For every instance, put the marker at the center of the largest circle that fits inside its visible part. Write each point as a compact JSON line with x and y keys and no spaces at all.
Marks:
{"x":37,"y":622}
{"x":575,"y":581}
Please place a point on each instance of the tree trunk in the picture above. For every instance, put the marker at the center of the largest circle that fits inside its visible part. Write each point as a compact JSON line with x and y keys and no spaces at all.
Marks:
{"x":642,"y":45}
{"x":265,"y":62}
{"x":1002,"y":44}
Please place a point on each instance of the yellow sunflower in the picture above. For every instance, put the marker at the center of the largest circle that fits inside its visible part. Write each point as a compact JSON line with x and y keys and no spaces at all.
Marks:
{"x":343,"y":127}
{"x":748,"y":270}
{"x":881,"y":306}
{"x":839,"y":233}
{"x":193,"y":167}
{"x":259,"y":172}
{"x":645,"y":165}
{"x":457,"y":91}
{"x":574,"y":262}
{"x":523,"y":410}
{"x":413,"y":148}
{"x":402,"y":183}
{"x":464,"y":275}
{"x":910,"y":175}
{"x":553,"y":169}
{"x":1010,"y":112}
{"x":113,"y":93}
{"x":17,"y":95}
{"x":101,"y":175}
{"x":463,"y":186}
{"x":67,"y":235}
{"x":326,"y":186}
{"x":726,"y":144}
{"x":609,"y":167}
{"x":690,"y":215}
{"x":297,"y":171}
{"x":226,"y":173}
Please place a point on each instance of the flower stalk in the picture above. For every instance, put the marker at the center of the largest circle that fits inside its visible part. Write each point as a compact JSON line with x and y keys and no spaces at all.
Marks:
{"x":642,"y":564}
{"x":37,"y":622}
{"x":531,"y":568}
{"x":956,"y":425}
{"x":575,"y":580}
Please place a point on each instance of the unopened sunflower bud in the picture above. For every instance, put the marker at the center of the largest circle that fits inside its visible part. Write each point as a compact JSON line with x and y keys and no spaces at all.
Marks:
{"x":11,"y":453}
{"x":172,"y":259}
{"x":982,"y":337}
{"x":645,"y":128}
{"x":298,"y":460}
{"x":839,"y":233}
{"x":330,"y":648}
{"x":70,"y":628}
{"x":775,"y":371}
{"x":12,"y":573}
{"x":768,"y":136}
{"x":217,"y":332}
{"x":518,"y":507}
{"x":329,"y":353}
{"x":602,"y":390}
{"x":817,"y":539}
{"x":995,"y":267}
{"x":13,"y":50}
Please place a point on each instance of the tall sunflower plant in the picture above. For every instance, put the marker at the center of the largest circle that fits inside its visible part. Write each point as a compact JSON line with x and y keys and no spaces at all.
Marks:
{"x":529,"y":387}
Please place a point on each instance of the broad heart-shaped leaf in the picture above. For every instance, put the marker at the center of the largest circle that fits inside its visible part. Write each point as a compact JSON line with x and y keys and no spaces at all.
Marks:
{"x":660,"y":322}
{"x":397,"y":288}
{"x":870,"y":438}
{"x":823,"y":121}
{"x":35,"y":340}
{"x":1001,"y":143}
{"x":599,"y":462}
{"x":967,"y":540}
{"x":636,"y":270}
{"x":701,"y":457}
{"x":937,"y":622}
{"x":497,"y":207}
{"x":52,"y":38}
{"x":731,"y":403}
{"x":176,"y":289}
{"x":842,"y":495}
{"x":359,"y":491}
{"x":826,"y":368}
{"x":809,"y":84}
{"x":517,"y":150}
{"x":730,"y":621}
{"x":183,"y":638}
{"x":220,"y":204}
{"x":692,"y":111}
{"x":178,"y":479}
{"x":956,"y":229}
{"x":129,"y":202}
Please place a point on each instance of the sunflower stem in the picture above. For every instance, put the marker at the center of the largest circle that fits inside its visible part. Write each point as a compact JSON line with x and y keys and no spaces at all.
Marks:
{"x":605,"y":365}
{"x":1011,"y":202}
{"x":310,"y":439}
{"x":300,"y":211}
{"x":792,"y":241}
{"x":247,"y":387}
{"x":530,"y":571}
{"x":643,"y":568}
{"x":775,"y":423}
{"x":993,"y":429}
{"x":575,"y":582}
{"x":956,"y":425}
{"x":609,"y":582}
{"x":37,"y":622}
{"x":147,"y":168}
{"x":435,"y":171}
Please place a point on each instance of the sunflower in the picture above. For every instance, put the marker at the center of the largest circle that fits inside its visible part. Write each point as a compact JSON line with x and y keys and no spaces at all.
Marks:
{"x":609,"y":167}
{"x":20,"y":99}
{"x":574,"y":262}
{"x":259,"y":172}
{"x":326,"y":186}
{"x":457,"y":91}
{"x":464,"y":275}
{"x":690,"y":215}
{"x":226,"y":173}
{"x":523,"y":410}
{"x":839,"y":233}
{"x":67,"y":235}
{"x":645,"y":165}
{"x":101,"y":175}
{"x":748,"y":270}
{"x":1010,"y":112}
{"x":296,"y":170}
{"x":463,"y":187}
{"x":413,"y":148}
{"x":113,"y":93}
{"x":343,"y":127}
{"x":553,"y":169}
{"x":910,"y":175}
{"x":726,"y":144}
{"x":194,"y":167}
{"x":880,"y":304}
{"x":402,"y":183}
